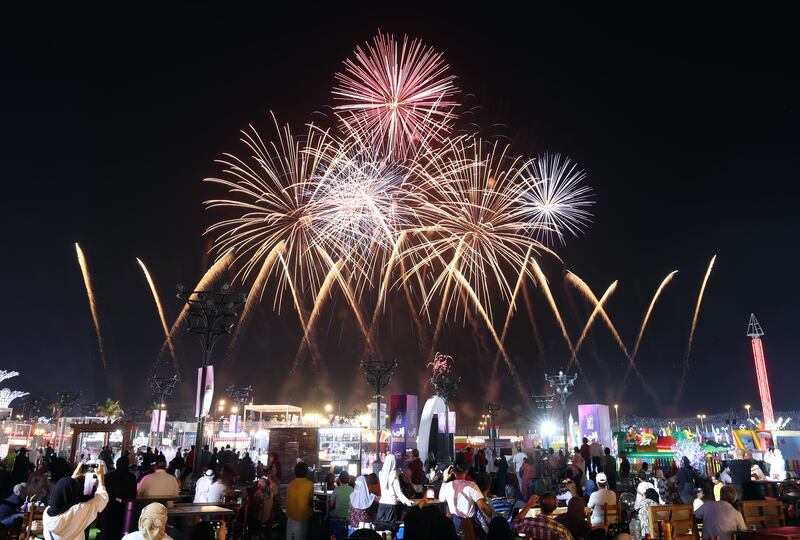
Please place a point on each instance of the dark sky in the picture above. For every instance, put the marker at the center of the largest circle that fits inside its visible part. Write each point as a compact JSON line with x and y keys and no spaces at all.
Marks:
{"x":686,"y":122}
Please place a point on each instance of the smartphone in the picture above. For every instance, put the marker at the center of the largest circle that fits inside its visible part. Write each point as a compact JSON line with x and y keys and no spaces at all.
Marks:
{"x":88,"y":467}
{"x":429,"y":494}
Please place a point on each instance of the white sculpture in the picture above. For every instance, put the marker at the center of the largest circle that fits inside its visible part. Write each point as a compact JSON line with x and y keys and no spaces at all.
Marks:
{"x":777,"y":466}
{"x":7,"y":396}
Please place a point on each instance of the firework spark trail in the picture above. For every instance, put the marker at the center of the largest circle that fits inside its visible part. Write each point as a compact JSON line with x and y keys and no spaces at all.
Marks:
{"x":587,"y":292}
{"x":512,"y":307}
{"x":348,"y":293}
{"x":534,"y":326}
{"x":443,"y":307}
{"x":381,"y":303}
{"x":597,"y":309}
{"x":87,"y":281}
{"x":685,"y":371}
{"x":312,"y":319}
{"x":584,"y":288}
{"x":255,"y":295}
{"x":211,"y":275}
{"x":474,"y":297}
{"x":537,"y":272}
{"x":161,"y":315}
{"x":646,"y":319}
{"x":415,"y":317}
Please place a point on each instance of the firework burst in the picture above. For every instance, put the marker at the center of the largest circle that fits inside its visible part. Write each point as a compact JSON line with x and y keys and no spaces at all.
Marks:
{"x":471,"y":219}
{"x":270,"y":195}
{"x":556,"y":198}
{"x":397,"y":96}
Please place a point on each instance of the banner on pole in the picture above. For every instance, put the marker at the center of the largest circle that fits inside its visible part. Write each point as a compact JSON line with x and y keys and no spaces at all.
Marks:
{"x":158,"y":421}
{"x":207,"y":393}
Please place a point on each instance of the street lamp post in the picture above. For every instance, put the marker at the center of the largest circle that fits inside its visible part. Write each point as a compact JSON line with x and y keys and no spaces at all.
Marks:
{"x":562,"y":383}
{"x":379,"y":373}
{"x":616,"y":412}
{"x":747,"y":408}
{"x":211,"y":315}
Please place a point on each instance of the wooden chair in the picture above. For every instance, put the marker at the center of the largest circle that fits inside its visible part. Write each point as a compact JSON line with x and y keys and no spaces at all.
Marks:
{"x":32,"y":523}
{"x":763,"y":514}
{"x":610,"y":516}
{"x":679,"y":517}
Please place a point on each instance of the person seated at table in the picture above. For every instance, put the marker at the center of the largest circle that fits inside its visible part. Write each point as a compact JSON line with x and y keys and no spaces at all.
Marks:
{"x":299,"y":501}
{"x":698,"y":499}
{"x":482,"y":518}
{"x":716,"y":480}
{"x":11,"y":507}
{"x":159,"y":483}
{"x":407,"y":485}
{"x":543,"y":526}
{"x":601,"y":498}
{"x":721,"y":518}
{"x":574,"y":519}
{"x":567,"y":489}
{"x":203,"y":485}
{"x":67,"y":517}
{"x":152,"y":524}
{"x":222,"y":487}
{"x":363,"y":504}
{"x":651,"y":498}
{"x":339,"y":503}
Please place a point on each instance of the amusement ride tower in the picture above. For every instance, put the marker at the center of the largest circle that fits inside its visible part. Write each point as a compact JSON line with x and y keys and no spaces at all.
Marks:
{"x":754,"y":332}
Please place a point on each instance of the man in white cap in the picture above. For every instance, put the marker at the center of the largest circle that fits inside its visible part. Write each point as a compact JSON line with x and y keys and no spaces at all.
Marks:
{"x":600,"y":498}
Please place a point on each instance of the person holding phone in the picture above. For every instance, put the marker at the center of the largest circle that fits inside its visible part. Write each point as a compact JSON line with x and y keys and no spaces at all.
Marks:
{"x":67,"y":517}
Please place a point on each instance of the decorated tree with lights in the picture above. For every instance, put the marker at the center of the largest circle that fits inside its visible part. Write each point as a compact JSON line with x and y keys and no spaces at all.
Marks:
{"x":691,"y":449}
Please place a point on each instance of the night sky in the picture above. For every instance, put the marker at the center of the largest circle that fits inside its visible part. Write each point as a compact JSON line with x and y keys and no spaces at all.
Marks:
{"x":686,"y":122}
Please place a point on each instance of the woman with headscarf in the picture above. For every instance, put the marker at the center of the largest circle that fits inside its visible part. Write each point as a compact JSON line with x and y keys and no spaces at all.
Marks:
{"x":121,"y":485}
{"x":501,"y":478}
{"x":643,"y":508}
{"x":574,"y":519}
{"x":67,"y":517}
{"x":391,"y":495}
{"x":362,"y":504}
{"x":685,"y":481}
{"x":152,"y":524}
{"x":661,"y":485}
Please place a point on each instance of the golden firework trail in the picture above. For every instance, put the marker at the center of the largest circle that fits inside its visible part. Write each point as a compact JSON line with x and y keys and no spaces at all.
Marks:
{"x":160,"y":309}
{"x":256,"y":293}
{"x":211,"y":275}
{"x":587,"y":292}
{"x":678,"y":395}
{"x":534,"y":327}
{"x":87,"y":281}
{"x":597,"y":309}
{"x":539,"y":275}
{"x":312,"y":319}
{"x":512,"y":307}
{"x":474,"y":297}
{"x":443,"y":307}
{"x":381,"y":303}
{"x":646,"y":319}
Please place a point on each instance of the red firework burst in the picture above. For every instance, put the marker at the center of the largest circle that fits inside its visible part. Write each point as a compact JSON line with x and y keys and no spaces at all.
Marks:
{"x":396,"y":95}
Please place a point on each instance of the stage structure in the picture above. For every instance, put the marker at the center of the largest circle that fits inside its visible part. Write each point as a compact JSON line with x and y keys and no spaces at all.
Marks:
{"x":754,"y":332}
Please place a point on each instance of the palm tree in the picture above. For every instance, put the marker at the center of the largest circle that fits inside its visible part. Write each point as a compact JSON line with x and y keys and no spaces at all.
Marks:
{"x":110,"y":409}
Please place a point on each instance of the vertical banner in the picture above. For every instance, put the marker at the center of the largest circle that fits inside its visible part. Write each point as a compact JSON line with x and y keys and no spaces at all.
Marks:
{"x":399,"y":424}
{"x":595,"y":423}
{"x":412,"y":421}
{"x":207,"y":393}
{"x":373,"y":417}
{"x":158,"y":421}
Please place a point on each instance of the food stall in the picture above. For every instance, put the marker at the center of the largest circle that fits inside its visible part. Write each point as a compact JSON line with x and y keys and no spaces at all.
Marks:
{"x":340,"y":449}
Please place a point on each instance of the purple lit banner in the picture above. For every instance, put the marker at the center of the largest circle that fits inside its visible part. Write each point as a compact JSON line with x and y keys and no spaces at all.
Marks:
{"x":158,"y":421}
{"x":595,"y":423}
{"x":403,"y":423}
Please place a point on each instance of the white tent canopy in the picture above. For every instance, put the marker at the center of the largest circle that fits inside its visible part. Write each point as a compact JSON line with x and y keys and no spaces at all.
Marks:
{"x":273,"y":410}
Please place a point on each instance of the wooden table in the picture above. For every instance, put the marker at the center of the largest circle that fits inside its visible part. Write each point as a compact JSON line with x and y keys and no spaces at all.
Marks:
{"x":204,"y":510}
{"x":778,"y":533}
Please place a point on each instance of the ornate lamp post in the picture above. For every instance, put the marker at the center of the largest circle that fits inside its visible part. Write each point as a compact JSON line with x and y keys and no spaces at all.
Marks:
{"x":378,"y":373}
{"x":562,"y":383}
{"x":64,"y":402}
{"x":211,"y":315}
{"x":162,"y":388}
{"x":239,"y":396}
